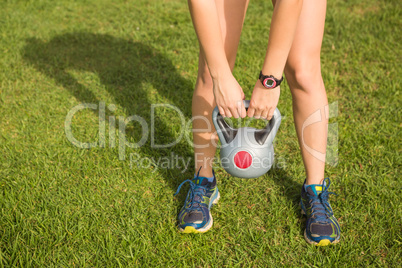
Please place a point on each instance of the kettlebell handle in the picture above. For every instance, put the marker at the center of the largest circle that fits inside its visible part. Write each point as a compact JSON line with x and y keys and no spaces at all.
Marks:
{"x":230,"y":133}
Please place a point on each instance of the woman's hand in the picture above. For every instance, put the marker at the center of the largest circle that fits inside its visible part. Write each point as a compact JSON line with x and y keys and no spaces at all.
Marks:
{"x":229,"y":97}
{"x":263,"y":101}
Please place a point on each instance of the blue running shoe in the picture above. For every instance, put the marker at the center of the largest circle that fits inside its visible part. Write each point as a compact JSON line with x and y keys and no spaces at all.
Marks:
{"x":322,"y":228}
{"x":195,"y":216}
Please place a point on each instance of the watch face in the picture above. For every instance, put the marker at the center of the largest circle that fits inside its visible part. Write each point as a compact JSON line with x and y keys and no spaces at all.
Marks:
{"x":269,"y":82}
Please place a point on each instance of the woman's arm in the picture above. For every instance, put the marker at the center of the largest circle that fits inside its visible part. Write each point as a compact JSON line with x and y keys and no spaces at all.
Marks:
{"x":283,"y":27}
{"x":228,"y":93}
{"x":206,"y":25}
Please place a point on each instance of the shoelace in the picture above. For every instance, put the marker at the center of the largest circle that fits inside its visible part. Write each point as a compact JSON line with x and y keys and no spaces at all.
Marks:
{"x":195,"y":191}
{"x":320,"y":207}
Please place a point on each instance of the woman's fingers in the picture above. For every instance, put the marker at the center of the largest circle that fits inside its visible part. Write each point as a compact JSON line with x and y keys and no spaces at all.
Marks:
{"x":257,"y":113}
{"x":250,"y":111}
{"x":233,"y":110}
{"x":221,"y":111}
{"x":271,"y":113}
{"x":264,"y":114}
{"x":227,"y":113}
{"x":241,"y":108}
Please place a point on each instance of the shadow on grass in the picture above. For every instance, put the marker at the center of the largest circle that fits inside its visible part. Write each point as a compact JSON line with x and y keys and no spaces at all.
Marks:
{"x":123,"y":67}
{"x":290,"y":186}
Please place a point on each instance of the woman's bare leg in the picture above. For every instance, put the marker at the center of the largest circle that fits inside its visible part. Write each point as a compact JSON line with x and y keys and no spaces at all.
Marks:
{"x":231,"y":16}
{"x":310,"y":104}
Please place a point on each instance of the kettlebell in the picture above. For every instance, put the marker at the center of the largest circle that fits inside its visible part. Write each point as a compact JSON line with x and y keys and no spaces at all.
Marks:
{"x":246,"y":152}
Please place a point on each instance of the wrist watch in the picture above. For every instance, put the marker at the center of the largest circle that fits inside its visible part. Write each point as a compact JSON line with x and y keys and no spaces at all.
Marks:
{"x":269,"y":81}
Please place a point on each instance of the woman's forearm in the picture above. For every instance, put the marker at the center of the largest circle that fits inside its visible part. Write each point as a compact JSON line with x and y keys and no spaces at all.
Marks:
{"x":283,"y":27}
{"x":207,"y":28}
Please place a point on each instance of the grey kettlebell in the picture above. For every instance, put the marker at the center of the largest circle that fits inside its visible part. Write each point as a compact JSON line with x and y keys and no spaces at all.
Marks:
{"x":246,"y":152}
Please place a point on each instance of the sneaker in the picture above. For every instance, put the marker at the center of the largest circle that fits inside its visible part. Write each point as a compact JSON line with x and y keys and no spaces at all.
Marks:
{"x":195,"y":216}
{"x":322,"y":228}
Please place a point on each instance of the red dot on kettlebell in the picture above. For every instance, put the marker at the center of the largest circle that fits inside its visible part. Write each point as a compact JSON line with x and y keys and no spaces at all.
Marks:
{"x":243,"y":159}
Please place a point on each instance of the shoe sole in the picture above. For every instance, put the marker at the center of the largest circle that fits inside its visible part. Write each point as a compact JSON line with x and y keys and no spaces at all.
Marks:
{"x":322,"y":243}
{"x":192,"y":230}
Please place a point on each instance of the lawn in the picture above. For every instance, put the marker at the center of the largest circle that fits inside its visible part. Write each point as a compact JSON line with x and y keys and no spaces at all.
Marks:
{"x":80,"y":79}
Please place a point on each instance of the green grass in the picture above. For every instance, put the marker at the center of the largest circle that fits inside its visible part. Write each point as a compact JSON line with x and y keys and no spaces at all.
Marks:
{"x":66,"y":206}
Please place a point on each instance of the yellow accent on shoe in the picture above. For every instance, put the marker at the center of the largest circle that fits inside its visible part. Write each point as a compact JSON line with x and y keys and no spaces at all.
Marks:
{"x":190,"y":230}
{"x":324,"y":242}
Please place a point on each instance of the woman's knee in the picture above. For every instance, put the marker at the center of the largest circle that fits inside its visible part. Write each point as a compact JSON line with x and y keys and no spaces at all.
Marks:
{"x":303,"y":75}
